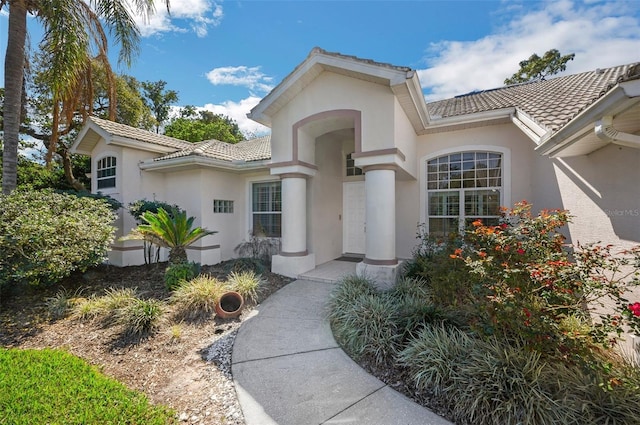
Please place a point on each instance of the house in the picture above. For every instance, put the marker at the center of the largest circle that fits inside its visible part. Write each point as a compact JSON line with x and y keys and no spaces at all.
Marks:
{"x":356,"y":159}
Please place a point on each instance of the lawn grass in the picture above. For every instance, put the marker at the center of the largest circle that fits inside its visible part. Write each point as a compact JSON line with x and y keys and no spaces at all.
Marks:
{"x":55,"y":387}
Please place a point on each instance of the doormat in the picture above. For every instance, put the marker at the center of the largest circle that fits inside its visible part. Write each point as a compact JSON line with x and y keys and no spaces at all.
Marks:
{"x":349,"y":259}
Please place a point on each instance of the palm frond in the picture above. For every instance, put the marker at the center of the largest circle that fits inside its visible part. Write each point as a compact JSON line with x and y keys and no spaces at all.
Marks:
{"x":168,"y":230}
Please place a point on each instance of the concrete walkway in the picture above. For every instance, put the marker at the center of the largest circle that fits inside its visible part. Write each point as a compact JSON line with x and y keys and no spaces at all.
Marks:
{"x":288,"y":369}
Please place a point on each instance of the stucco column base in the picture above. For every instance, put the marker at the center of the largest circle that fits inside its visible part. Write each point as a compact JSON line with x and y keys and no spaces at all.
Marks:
{"x":292,"y":266}
{"x":383,"y":277}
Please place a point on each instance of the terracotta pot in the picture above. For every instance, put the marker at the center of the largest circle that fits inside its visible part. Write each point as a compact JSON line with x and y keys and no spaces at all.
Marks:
{"x":230,"y":305}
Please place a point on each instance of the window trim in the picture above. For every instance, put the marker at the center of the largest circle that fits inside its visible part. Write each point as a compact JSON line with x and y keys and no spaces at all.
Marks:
{"x":94,"y":173}
{"x":249,"y":200}
{"x":505,"y":195}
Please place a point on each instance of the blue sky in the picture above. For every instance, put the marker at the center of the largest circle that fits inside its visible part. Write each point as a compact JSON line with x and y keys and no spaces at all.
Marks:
{"x":226,"y":55}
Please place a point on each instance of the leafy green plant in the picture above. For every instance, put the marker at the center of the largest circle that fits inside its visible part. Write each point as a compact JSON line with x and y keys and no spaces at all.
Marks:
{"x":45,"y":236}
{"x":61,"y":304}
{"x":533,"y":288}
{"x":485,"y":381}
{"x":137,"y":209}
{"x":178,"y":273}
{"x":106,"y":307}
{"x":114,"y":204}
{"x":172,"y":230}
{"x":197,"y":298}
{"x":140,"y":317}
{"x":54,"y":387}
{"x":245,"y":283}
{"x":364,"y":323}
{"x":88,"y":308}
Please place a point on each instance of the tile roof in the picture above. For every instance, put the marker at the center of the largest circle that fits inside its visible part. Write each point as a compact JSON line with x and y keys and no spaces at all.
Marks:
{"x":122,"y":130}
{"x":551,"y":103}
{"x":249,"y":150}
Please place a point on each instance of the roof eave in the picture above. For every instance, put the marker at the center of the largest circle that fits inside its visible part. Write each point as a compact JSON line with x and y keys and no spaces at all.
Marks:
{"x":478,"y":117}
{"x":89,"y":125}
{"x":529,"y":126}
{"x":411,"y":99}
{"x":615,"y":101}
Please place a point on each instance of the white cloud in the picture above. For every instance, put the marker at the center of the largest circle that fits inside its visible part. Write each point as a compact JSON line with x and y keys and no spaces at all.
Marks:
{"x":600,"y":34}
{"x":244,"y":76}
{"x":235,"y":110}
{"x":195,"y":15}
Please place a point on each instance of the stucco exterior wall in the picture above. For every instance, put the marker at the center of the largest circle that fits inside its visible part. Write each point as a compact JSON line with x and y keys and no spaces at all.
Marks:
{"x":405,"y":139}
{"x":602,"y":193}
{"x":330,"y":91}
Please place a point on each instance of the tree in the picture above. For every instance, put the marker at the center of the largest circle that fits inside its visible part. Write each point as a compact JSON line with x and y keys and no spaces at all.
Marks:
{"x":73,"y":35}
{"x":194,"y":126}
{"x":536,"y":68}
{"x":169,"y":229}
{"x":67,"y":170}
{"x":159,"y":100}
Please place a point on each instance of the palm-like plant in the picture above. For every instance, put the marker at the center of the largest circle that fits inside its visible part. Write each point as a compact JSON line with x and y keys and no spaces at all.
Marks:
{"x":172,"y":230}
{"x":73,"y":36}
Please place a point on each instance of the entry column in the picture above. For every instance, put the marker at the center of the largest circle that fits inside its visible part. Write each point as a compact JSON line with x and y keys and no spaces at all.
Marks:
{"x":294,"y":257}
{"x":294,"y":214}
{"x":380,"y":262}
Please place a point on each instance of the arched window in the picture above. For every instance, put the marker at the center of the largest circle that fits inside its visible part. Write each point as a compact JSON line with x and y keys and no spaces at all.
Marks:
{"x":106,"y":172}
{"x":463,"y":187}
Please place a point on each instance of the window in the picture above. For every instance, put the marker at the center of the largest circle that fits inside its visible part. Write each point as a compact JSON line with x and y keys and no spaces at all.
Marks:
{"x":222,"y":206}
{"x":266,"y":199}
{"x":106,"y":172}
{"x":352,"y":170}
{"x":461,"y":188}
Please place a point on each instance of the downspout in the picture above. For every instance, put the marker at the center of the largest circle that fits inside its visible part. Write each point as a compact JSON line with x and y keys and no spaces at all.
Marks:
{"x":605,"y":131}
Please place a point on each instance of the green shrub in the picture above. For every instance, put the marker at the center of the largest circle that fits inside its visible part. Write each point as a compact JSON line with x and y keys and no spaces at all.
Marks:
{"x":448,"y":280}
{"x":433,"y":357}
{"x":198,"y":297}
{"x":363,"y":321}
{"x":44,"y":236}
{"x":534,"y":289}
{"x":176,"y":274}
{"x":416,"y":307}
{"x":349,"y":288}
{"x":139,"y":316}
{"x":54,"y":387}
{"x":114,"y":204}
{"x":245,"y":283}
{"x":141,"y":206}
{"x":485,"y":381}
{"x":89,"y":308}
{"x":106,"y":307}
{"x":601,"y":397}
{"x":59,"y":305}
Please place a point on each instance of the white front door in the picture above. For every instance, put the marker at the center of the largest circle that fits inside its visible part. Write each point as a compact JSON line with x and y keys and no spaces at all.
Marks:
{"x":353,"y":225}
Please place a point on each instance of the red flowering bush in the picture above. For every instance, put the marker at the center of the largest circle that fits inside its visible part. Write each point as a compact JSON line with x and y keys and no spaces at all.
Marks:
{"x":538,"y":291}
